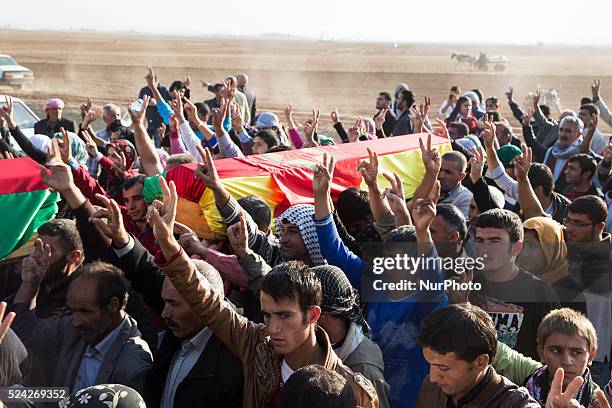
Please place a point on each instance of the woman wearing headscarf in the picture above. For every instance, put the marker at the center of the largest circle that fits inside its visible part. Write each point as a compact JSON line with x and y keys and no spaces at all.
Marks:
{"x":54,"y":120}
{"x":104,"y":396}
{"x":343,"y":321}
{"x":118,"y":165}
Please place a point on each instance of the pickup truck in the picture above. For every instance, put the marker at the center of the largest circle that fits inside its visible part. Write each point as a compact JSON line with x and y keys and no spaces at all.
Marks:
{"x":13,"y":74}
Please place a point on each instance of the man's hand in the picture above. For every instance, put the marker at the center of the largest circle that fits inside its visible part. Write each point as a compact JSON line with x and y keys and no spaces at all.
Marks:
{"x":237,"y":123}
{"x":6,"y":155}
{"x":90,"y":116}
{"x":161,"y":215}
{"x":150,"y":78}
{"x":536,"y":98}
{"x":238,"y":238}
{"x":430,"y":156}
{"x":607,"y":154}
{"x":189,"y":240}
{"x":395,"y":196}
{"x":187,"y":81}
{"x":207,"y":170}
{"x":510,"y":93}
{"x":522,"y":162}
{"x":288,"y":111}
{"x":441,"y":130}
{"x":5,"y":322}
{"x":324,"y":172}
{"x":177,"y":107}
{"x":593,"y":124}
{"x":6,"y":112}
{"x":477,"y":164}
{"x":335,"y":117}
{"x":34,"y":267}
{"x":310,"y":129}
{"x":425,"y":209}
{"x":65,"y":146}
{"x":92,"y":148}
{"x":379,"y":120}
{"x":119,"y":163}
{"x":595,"y":88}
{"x":138,"y":118}
{"x":113,"y":227}
{"x":526,"y":119}
{"x":56,"y":174}
{"x":488,"y":133}
{"x":85,"y":107}
{"x":369,"y":169}
{"x":559,"y":399}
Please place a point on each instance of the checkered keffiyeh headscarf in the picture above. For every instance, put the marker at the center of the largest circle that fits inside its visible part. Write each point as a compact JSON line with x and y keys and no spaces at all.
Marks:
{"x":339,"y":296}
{"x":302,"y":216}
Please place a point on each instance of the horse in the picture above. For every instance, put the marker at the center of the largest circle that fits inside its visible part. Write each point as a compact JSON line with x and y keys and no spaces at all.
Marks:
{"x":463,"y":60}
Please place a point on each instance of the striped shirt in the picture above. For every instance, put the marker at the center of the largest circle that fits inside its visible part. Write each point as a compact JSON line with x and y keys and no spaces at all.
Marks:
{"x":182,"y":362}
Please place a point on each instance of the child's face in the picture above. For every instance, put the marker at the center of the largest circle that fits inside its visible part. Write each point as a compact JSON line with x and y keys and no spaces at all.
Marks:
{"x":568,"y":352}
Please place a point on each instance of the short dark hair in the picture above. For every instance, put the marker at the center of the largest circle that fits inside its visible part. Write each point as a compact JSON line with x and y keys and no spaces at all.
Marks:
{"x":540,"y":176}
{"x":404,"y":233}
{"x":592,"y":206}
{"x":258,"y":209}
{"x":463,"y":129}
{"x":202,"y":109}
{"x":502,"y":219}
{"x":545,"y":109}
{"x":269,"y":137}
{"x":66,"y":231}
{"x":408,"y":96}
{"x":293,"y":280}
{"x":463,"y":329}
{"x":454,"y":218}
{"x":110,"y":282}
{"x":585,"y":100}
{"x":279,"y":148}
{"x":593,"y":109}
{"x":317,"y":386}
{"x":177,"y":86}
{"x":455,"y":88}
{"x":587,"y":163}
{"x":132,"y":181}
{"x":385,"y":95}
{"x":458,"y":158}
{"x":478,"y":93}
{"x":353,"y":205}
{"x":492,"y":98}
{"x":179,"y":158}
{"x":217,"y":87}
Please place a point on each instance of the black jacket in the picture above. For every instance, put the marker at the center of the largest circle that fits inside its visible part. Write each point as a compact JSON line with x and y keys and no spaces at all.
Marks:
{"x":44,"y":127}
{"x":216,"y":379}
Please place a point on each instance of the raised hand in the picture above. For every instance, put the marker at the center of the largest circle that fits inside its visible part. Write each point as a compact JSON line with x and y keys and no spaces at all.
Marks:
{"x":187,"y":81}
{"x":92,"y":148}
{"x":150,"y":77}
{"x":477,"y":164}
{"x":536,"y":98}
{"x":238,"y":238}
{"x":207,"y":171}
{"x":595,"y":88}
{"x":91,"y":116}
{"x":288,"y":111}
{"x":6,"y":112}
{"x":177,"y":106}
{"x":310,"y":129}
{"x":559,"y":399}
{"x":510,"y":93}
{"x":85,"y":107}
{"x":607,"y":154}
{"x":161,"y":215}
{"x":424,"y":109}
{"x":5,"y":322}
{"x":369,"y":169}
{"x":441,"y":130}
{"x":522,"y":162}
{"x":65,"y":146}
{"x":56,"y":174}
{"x":217,"y":118}
{"x":425,"y":209}
{"x":335,"y":117}
{"x":395,"y":194}
{"x":593,"y":124}
{"x":191,"y":110}
{"x":379,"y":120}
{"x":430,"y":156}
{"x":119,"y":163}
{"x":324,"y":172}
{"x":236,"y":119}
{"x":526,"y":119}
{"x":113,"y":227}
{"x":488,"y":134}
{"x":416,"y":121}
{"x":138,"y":118}
{"x":34,"y":267}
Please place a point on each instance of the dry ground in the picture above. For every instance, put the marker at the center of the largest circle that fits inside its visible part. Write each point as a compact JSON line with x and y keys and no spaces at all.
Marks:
{"x":110,"y":67}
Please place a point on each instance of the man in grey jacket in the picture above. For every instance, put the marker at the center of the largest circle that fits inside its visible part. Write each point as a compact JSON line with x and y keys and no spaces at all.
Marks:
{"x":94,"y":341}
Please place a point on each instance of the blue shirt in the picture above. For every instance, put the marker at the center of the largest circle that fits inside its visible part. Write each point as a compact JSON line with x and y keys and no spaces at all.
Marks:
{"x":395,"y":324}
{"x":92,"y":360}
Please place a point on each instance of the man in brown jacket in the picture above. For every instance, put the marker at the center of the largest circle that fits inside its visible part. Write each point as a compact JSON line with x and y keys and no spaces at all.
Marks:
{"x":459,"y":343}
{"x":270,"y":352}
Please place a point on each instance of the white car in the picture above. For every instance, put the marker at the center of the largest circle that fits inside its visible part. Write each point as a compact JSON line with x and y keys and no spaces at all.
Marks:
{"x":13,"y":74}
{"x":23,"y":116}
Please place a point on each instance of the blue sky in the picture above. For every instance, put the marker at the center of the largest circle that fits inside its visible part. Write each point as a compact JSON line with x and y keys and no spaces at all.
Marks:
{"x":509,"y":22}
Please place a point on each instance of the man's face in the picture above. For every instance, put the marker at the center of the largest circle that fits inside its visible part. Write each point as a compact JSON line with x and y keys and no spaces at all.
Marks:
{"x":503,"y":137}
{"x":54,"y":114}
{"x":579,"y":228}
{"x":473,"y":212}
{"x":585,"y":116}
{"x":455,"y":377}
{"x":135,"y":203}
{"x":58,"y":261}
{"x":571,"y":353}
{"x":88,"y":319}
{"x":286,"y":324}
{"x":494,"y":246}
{"x":177,"y":314}
{"x":573,"y":173}
{"x":567,"y":134}
{"x":450,"y":176}
{"x":291,"y":242}
{"x":109,"y":116}
{"x":259,"y":146}
{"x":492,"y":104}
{"x":354,"y":227}
{"x":453,"y":133}
{"x":381,"y":102}
{"x":443,"y":237}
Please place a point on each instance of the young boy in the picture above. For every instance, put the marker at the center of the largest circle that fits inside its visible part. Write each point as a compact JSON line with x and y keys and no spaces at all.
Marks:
{"x":566,"y":339}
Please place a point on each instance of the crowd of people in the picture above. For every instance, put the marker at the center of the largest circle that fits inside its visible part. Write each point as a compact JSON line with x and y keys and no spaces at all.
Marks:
{"x":126,"y":307}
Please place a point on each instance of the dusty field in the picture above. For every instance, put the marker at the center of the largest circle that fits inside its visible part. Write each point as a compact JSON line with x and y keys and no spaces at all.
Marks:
{"x":324,"y":75}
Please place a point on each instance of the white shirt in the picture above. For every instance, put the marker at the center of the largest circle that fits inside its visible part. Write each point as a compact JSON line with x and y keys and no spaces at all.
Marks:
{"x":286,"y":371}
